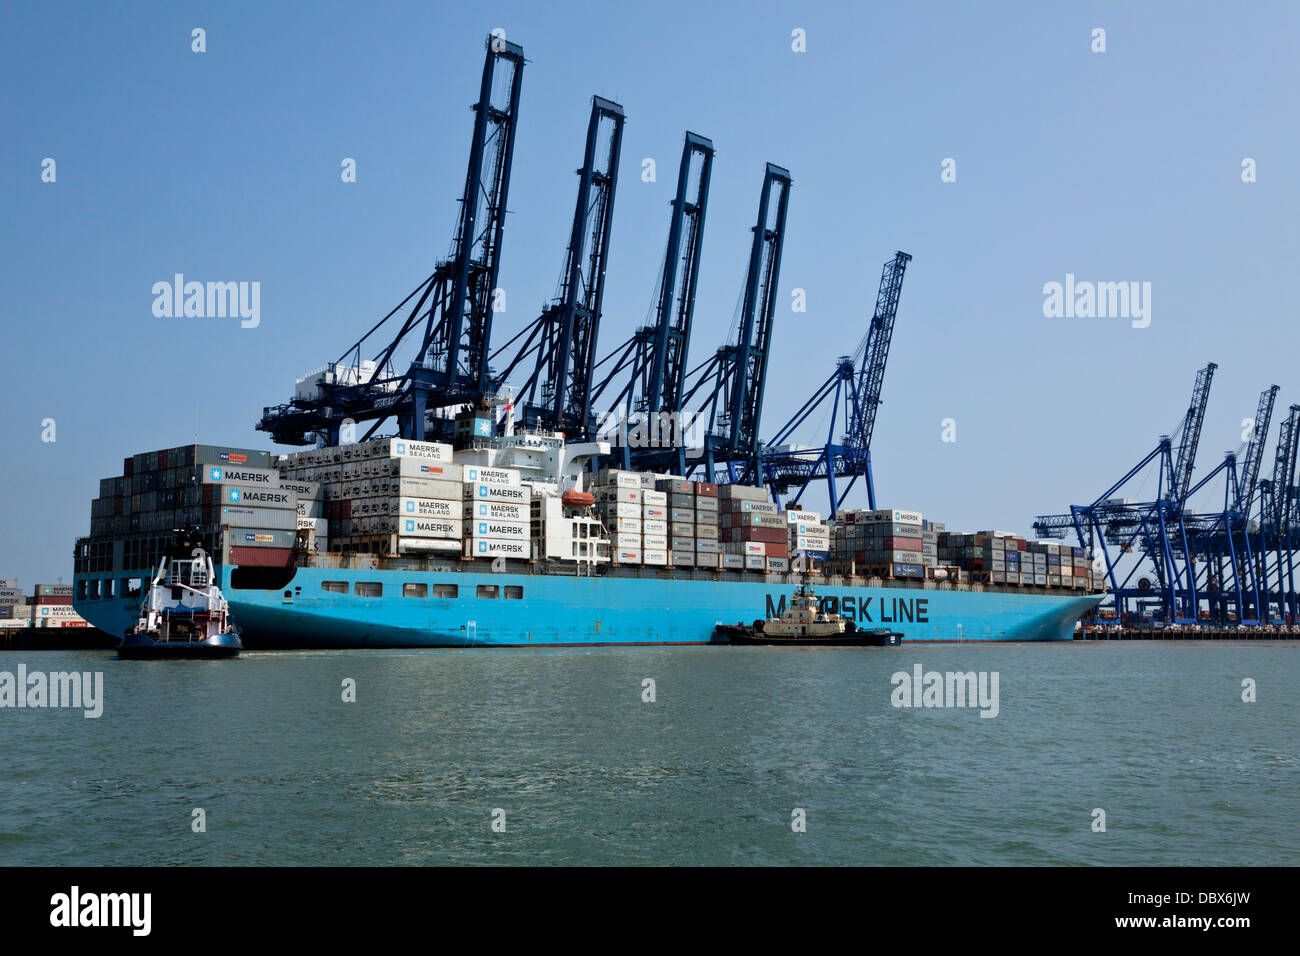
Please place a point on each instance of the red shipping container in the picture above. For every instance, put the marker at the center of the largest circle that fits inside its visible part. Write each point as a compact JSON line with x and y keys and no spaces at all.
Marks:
{"x":903,"y":544}
{"x":64,"y":599}
{"x":706,"y":489}
{"x":775,"y":550}
{"x":261,"y":557}
{"x":781,"y":535}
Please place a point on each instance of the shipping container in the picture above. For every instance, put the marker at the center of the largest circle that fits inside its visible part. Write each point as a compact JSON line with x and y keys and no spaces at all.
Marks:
{"x":428,"y":507}
{"x":492,"y":492}
{"x":430,"y":470}
{"x":497,"y":548}
{"x":683,"y":559}
{"x":237,"y":475}
{"x":429,"y":488}
{"x":502,"y":511}
{"x":430,"y":528}
{"x":491,"y":476}
{"x":281,"y":519}
{"x":261,"y":557}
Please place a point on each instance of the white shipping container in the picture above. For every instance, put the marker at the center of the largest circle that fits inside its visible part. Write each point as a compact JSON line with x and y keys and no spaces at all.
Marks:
{"x":253,"y":497}
{"x":430,"y":528}
{"x":624,"y":525}
{"x":657,"y":512}
{"x":497,"y":548}
{"x":754,"y":562}
{"x":305,"y":490}
{"x":491,"y":476}
{"x":493,"y":528}
{"x":803,"y":517}
{"x":650,"y":526}
{"x":620,"y":510}
{"x":428,"y":544}
{"x":619,"y":494}
{"x":239,"y":475}
{"x":683,"y":529}
{"x":312,"y":524}
{"x":657,"y":498}
{"x":277,"y":519}
{"x":625,"y":556}
{"x":657,"y":557}
{"x":429,"y":507}
{"x":443,"y":488}
{"x":402,"y":448}
{"x":482,"y":491}
{"x":434,"y":470}
{"x":626,"y":541}
{"x":499,"y":510}
{"x":657,"y":542}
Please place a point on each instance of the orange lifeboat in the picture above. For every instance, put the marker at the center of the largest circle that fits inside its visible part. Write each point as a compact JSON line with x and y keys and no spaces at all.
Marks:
{"x":577,"y":499}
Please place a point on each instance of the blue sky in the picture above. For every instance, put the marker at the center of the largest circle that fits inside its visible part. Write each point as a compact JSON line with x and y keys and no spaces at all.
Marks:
{"x":1115,"y":166}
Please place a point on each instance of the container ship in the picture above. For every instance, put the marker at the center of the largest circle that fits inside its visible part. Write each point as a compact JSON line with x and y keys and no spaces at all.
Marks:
{"x":501,"y":538}
{"x":510,"y":541}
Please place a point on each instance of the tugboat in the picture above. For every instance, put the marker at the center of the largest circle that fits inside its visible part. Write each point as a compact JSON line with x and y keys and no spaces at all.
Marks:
{"x":184,"y":615}
{"x":804,"y":624}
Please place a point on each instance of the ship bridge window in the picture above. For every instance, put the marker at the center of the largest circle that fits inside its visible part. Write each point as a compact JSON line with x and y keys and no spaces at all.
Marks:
{"x":487,"y":591}
{"x":94,"y":589}
{"x":368,"y":589}
{"x":81,"y":590}
{"x":415,"y":590}
{"x":446,"y":590}
{"x":514,"y":592}
{"x":337,"y":587}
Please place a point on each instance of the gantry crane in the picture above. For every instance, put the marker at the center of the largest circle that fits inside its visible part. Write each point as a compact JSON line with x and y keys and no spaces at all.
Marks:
{"x":453,"y":307}
{"x":649,"y":368}
{"x":561,"y":343}
{"x":857,"y":382}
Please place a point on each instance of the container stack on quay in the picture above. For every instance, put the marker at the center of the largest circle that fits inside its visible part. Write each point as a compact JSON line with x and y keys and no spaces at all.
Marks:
{"x":15,"y":606}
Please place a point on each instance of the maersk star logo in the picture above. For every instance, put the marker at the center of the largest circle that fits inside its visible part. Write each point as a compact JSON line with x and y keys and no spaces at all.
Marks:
{"x":401,"y":448}
{"x":483,"y":427}
{"x":234,"y":494}
{"x":471,"y":474}
{"x":482,"y":491}
{"x":214,"y":474}
{"x":410,"y":506}
{"x":482,"y":546}
{"x":482,"y":510}
{"x":482,"y":527}
{"x":410,"y":526}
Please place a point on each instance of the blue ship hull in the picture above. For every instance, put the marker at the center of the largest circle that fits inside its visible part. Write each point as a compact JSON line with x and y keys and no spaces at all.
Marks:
{"x":556,"y":610}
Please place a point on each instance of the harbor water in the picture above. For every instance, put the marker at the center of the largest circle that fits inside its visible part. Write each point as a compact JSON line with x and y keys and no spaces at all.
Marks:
{"x":739,"y":750}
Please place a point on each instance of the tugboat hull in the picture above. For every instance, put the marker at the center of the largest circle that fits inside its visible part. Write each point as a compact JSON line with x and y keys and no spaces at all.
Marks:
{"x":743,"y":634}
{"x":141,"y":647}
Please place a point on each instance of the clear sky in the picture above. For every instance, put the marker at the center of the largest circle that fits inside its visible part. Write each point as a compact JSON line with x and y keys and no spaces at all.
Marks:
{"x":225,"y":166}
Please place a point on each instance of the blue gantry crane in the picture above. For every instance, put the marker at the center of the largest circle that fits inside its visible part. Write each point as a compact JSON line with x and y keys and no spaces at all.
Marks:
{"x":646,"y":374}
{"x":731,"y":383}
{"x":856,"y":385}
{"x":561,"y":343}
{"x":452,"y":309}
{"x":1157,"y":527}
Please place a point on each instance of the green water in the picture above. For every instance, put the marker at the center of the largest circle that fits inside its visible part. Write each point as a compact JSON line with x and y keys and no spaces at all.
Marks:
{"x":1156,"y":735}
